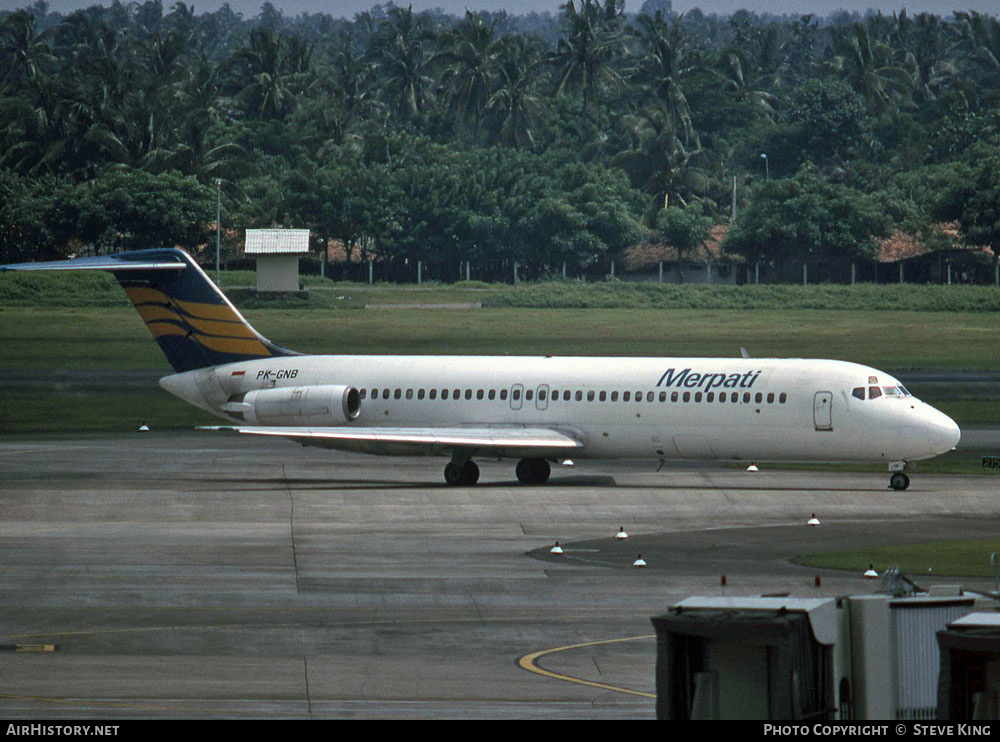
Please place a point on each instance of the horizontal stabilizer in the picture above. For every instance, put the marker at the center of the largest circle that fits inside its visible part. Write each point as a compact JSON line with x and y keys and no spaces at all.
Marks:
{"x":119,"y":262}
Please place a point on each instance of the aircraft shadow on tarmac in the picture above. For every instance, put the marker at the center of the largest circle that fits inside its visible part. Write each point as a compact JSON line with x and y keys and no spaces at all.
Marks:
{"x":332,"y":483}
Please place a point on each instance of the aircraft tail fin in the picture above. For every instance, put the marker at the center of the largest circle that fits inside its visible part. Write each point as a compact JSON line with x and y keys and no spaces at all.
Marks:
{"x":190,"y":318}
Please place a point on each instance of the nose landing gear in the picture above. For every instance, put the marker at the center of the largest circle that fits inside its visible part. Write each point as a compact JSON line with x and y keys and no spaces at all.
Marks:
{"x":897,"y":479}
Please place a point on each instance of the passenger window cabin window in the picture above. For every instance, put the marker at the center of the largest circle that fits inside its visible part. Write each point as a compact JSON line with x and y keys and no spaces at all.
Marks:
{"x":673,"y":396}
{"x":516,"y":394}
{"x":566,"y":395}
{"x":626,"y":396}
{"x":758,"y":397}
{"x":782,"y":397}
{"x":420,"y":394}
{"x":385,"y":393}
{"x":722,"y":396}
{"x":397,"y":394}
{"x":649,"y":396}
{"x":457,"y":394}
{"x":503,"y":394}
{"x":770,"y":397}
{"x":529,"y":395}
{"x":697,"y":396}
{"x":434,"y":393}
{"x":874,"y":392}
{"x":409,"y":394}
{"x":555,"y":395}
{"x":590,"y":396}
{"x":493,"y":394}
{"x":614,"y":396}
{"x":638,"y":396}
{"x":710,"y":397}
{"x":604,"y":396}
{"x":687,"y":396}
{"x":663,"y":396}
{"x":579,"y":396}
{"x":480,"y":394}
{"x":444,"y":394}
{"x":746,"y":397}
{"x":364,"y":394}
{"x":541,"y":395}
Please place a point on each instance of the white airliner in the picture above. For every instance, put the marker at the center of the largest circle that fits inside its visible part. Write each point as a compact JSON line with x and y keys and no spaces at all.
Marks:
{"x":534,"y":409}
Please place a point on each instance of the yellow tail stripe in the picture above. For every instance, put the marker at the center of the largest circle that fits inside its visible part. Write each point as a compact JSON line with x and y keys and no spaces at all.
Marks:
{"x":236,"y":346}
{"x":225,"y":329}
{"x":209,"y":311}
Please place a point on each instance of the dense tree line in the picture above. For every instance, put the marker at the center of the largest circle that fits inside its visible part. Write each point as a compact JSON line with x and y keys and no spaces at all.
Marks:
{"x":495,"y":138}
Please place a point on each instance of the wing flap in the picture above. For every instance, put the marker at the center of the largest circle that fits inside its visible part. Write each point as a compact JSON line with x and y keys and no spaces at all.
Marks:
{"x":496,"y":441}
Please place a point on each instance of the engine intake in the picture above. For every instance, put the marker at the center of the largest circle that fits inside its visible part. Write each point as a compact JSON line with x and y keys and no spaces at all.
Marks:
{"x":305,"y":405}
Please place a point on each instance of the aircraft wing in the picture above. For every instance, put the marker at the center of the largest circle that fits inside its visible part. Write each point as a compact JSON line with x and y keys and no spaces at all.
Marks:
{"x":513,"y":442}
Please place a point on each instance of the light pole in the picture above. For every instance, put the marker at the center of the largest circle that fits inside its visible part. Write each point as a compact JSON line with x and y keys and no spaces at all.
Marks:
{"x":218,"y":225}
{"x":767,"y":167}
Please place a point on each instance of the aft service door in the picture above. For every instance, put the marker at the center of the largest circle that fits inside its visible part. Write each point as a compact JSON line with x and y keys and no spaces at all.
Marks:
{"x":822,"y":410}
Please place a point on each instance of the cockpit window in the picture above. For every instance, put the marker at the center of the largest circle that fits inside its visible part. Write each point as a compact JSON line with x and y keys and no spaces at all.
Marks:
{"x":892,"y":391}
{"x":874,"y":392}
{"x":859,"y":392}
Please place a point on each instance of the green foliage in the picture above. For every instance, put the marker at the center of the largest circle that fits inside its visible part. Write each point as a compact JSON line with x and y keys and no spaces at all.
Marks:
{"x":805,"y":215}
{"x":491,"y":137}
{"x":131,"y":209}
{"x":971,"y":196}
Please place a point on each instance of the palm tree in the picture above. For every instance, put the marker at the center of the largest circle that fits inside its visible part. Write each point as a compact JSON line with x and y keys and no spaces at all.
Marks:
{"x":589,"y":48}
{"x":25,"y":54}
{"x":398,"y":51}
{"x":510,"y":109}
{"x":269,"y":72}
{"x":659,"y":163}
{"x":665,"y":59}
{"x":869,"y":67}
{"x":470,"y":54}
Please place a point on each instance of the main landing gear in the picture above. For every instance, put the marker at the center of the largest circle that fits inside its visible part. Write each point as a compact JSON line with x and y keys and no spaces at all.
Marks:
{"x":533,"y":471}
{"x":529,"y":471}
{"x":897,"y":479}
{"x":456,"y":473}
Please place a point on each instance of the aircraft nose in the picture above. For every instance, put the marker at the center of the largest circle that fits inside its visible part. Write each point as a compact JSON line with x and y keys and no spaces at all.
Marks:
{"x":944,"y":432}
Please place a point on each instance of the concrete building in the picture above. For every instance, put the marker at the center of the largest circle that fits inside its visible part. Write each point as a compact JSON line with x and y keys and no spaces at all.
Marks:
{"x":277,"y":252}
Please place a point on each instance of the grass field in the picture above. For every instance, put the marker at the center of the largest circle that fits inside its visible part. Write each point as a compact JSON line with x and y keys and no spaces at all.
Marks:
{"x":114,"y":337}
{"x":951,"y":558}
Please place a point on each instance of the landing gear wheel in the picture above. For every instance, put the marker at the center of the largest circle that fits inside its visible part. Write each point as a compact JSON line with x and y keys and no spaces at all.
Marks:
{"x":456,"y":474}
{"x":453,"y":473}
{"x":470,"y":473}
{"x":533,"y":471}
{"x":899,"y":481}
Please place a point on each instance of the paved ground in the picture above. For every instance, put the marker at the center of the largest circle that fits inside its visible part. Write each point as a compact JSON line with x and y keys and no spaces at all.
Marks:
{"x":192,"y":575}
